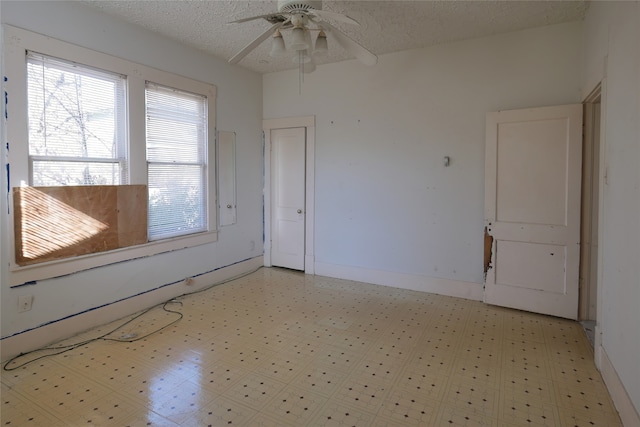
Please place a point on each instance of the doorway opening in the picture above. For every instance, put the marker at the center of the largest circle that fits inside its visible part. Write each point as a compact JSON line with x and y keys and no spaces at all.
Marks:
{"x":587,"y":313}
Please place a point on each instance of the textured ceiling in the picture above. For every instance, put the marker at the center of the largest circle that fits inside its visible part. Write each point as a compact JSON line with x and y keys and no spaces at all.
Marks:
{"x":386,"y":26}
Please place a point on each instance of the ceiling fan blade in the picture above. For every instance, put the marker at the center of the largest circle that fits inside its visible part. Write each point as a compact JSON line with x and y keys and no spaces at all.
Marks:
{"x":248,"y":48}
{"x":252,"y":18}
{"x":355,"y":48}
{"x":338,"y":17}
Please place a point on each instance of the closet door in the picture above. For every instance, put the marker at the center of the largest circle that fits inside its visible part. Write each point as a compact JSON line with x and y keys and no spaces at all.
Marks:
{"x":288,"y":152}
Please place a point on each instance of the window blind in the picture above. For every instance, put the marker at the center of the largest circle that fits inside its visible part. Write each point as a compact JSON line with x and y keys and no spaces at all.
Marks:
{"x":176,"y":146}
{"x":77,"y":123}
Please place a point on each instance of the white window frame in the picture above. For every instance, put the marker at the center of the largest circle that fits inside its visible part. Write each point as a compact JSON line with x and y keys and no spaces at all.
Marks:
{"x":17,"y":42}
{"x":198,"y":162}
{"x":122,"y":149}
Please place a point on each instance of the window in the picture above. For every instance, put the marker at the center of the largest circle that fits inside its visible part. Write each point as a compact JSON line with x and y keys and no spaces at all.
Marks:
{"x":77,"y":128}
{"x":76,"y":124}
{"x":89,"y":124}
{"x":176,"y":161}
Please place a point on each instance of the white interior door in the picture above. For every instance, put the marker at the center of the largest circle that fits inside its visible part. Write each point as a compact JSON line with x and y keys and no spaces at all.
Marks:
{"x":288,"y":150}
{"x":532,"y":208}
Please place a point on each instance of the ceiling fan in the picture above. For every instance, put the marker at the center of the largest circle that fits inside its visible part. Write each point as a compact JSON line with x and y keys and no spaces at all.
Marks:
{"x":302,"y":17}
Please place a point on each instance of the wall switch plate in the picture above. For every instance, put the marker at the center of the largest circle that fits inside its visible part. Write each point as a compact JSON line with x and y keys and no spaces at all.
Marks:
{"x":24,"y":303}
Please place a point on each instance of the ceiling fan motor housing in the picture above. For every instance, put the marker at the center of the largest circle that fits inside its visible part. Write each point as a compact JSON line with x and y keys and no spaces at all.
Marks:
{"x":298,"y":5}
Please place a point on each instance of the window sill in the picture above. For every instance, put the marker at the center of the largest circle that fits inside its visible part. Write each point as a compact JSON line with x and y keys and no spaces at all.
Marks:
{"x":29,"y":274}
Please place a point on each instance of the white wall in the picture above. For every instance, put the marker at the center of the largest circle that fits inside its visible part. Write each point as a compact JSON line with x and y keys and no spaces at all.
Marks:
{"x":239,"y":109}
{"x":385,"y":204}
{"x":612,"y":32}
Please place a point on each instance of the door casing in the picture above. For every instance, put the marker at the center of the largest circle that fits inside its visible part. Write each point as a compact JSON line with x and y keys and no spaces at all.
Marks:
{"x":307,"y":122}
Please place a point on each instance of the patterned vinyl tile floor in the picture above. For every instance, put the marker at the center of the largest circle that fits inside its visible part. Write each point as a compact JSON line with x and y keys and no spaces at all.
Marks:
{"x":280,"y":348}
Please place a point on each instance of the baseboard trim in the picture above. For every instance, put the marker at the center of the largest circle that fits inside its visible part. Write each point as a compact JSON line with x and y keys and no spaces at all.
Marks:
{"x":453,"y":288}
{"x":627,"y":411}
{"x":64,"y":328}
{"x":309,"y":266}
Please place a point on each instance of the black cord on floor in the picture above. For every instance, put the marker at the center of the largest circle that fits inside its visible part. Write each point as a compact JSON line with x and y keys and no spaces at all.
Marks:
{"x":104,"y":337}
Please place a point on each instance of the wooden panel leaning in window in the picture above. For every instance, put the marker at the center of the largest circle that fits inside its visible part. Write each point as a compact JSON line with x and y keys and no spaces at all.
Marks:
{"x":59,"y":222}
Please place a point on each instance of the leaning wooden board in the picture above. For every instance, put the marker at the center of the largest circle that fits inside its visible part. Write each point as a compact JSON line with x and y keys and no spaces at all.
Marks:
{"x":52,"y":223}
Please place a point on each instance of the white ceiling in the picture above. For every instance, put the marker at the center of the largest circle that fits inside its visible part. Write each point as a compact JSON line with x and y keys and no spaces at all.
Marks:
{"x":386,"y":26}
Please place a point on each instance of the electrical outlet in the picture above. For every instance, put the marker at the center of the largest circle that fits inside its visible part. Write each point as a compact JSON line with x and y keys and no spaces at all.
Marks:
{"x":24,"y":303}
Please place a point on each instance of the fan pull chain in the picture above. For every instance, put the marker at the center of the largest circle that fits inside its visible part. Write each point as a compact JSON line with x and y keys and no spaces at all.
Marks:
{"x":300,"y":73}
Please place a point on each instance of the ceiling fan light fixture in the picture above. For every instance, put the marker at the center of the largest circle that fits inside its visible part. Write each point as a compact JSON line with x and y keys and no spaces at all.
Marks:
{"x":321,"y":48}
{"x":298,"y":39}
{"x":296,"y":15}
{"x":277,"y":45}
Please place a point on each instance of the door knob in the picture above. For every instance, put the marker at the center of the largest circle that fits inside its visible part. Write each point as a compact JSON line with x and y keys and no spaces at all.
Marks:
{"x":299,"y":211}
{"x":228,"y":206}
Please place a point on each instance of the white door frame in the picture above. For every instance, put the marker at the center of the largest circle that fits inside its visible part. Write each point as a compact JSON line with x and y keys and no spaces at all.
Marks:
{"x":308,"y":122}
{"x":602,"y":176}
{"x":590,"y":190}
